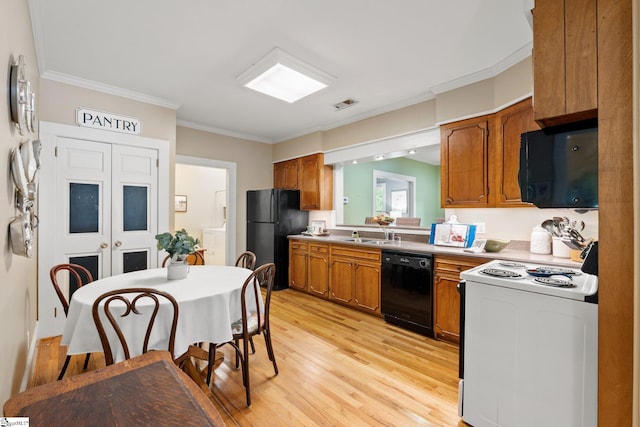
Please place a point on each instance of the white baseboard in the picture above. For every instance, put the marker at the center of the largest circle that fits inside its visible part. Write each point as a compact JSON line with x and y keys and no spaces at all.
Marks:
{"x":31,"y":358}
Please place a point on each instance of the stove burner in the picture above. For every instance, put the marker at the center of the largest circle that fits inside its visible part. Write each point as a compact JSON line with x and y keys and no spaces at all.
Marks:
{"x":496,"y":272}
{"x":558,"y":283}
{"x":557,"y":270}
{"x":511,"y":264}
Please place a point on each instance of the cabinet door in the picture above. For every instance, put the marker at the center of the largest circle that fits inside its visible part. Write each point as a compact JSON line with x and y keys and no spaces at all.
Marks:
{"x":446,"y":308}
{"x":464,"y":163}
{"x":285,"y":175}
{"x":318,"y":277}
{"x":315,"y":183}
{"x":510,"y":123}
{"x":341,"y":281}
{"x":367,"y":286}
{"x":298,"y":265}
{"x":565,"y":61}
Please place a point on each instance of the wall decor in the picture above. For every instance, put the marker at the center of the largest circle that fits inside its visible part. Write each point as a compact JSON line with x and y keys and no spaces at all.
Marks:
{"x":22,"y":100}
{"x":180,"y":204}
{"x":107,"y":121}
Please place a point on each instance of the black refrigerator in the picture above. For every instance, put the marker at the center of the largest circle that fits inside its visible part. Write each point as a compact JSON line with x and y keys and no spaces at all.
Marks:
{"x":272,"y":215}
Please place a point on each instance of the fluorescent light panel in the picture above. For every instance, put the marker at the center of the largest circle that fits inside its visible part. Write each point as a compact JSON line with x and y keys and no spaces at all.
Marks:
{"x":282,"y":76}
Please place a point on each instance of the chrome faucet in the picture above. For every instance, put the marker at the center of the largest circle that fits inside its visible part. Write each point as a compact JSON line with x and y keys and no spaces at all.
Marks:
{"x":389,"y":234}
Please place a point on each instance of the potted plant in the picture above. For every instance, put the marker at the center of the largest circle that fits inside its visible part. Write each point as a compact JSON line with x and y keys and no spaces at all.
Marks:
{"x":178,"y":246}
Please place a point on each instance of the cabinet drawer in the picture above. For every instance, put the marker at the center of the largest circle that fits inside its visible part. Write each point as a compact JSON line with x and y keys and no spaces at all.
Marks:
{"x":319,"y":249}
{"x":298,"y":246}
{"x":454,"y":266}
{"x":351,"y":252}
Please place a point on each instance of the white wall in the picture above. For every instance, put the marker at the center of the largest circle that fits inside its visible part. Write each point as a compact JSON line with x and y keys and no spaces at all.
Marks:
{"x":205,"y":188}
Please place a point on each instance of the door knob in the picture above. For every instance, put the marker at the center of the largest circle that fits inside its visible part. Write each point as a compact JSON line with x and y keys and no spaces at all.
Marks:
{"x":104,"y":245}
{"x":117,"y":244}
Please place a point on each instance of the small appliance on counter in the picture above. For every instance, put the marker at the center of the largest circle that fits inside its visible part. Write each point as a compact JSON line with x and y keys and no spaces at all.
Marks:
{"x":528,"y":346}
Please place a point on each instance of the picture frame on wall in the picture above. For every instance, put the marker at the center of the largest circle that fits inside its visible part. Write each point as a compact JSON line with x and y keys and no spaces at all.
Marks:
{"x":180,"y":203}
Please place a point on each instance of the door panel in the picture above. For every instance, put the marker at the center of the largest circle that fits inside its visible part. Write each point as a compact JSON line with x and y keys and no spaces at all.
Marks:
{"x":134,"y":207}
{"x":83,"y":179}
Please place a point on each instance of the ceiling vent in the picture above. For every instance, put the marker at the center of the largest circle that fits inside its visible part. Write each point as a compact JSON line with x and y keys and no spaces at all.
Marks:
{"x":344,"y":104}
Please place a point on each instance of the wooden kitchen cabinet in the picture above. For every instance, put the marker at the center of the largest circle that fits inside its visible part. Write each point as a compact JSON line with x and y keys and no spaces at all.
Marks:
{"x":315,"y":181}
{"x":311,"y":176}
{"x":480,"y":158}
{"x":318,"y":270}
{"x":298,"y":264}
{"x":354,"y":277}
{"x":446,"y":300}
{"x":464,"y":162}
{"x":505,"y":158}
{"x":285,"y":175}
{"x":565,"y":85}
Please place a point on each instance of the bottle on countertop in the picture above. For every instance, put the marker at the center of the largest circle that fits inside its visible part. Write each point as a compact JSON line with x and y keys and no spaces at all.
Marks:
{"x":540,"y":241}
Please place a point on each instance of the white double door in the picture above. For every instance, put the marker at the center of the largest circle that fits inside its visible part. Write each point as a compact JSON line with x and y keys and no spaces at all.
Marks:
{"x":104,"y":213}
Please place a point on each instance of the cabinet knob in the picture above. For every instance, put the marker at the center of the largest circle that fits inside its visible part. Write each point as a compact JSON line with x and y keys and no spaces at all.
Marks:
{"x":104,"y":245}
{"x":117,"y":244}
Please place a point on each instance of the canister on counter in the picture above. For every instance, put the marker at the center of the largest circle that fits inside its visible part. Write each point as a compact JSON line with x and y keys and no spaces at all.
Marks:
{"x":540,"y":241}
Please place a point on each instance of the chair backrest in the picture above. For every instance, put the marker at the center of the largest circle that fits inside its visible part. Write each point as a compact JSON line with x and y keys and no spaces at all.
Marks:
{"x":408,"y":221}
{"x":77,"y":273}
{"x":246,"y":260}
{"x":262,"y":276}
{"x":368,"y":220}
{"x":124,"y":302}
{"x":195,"y":258}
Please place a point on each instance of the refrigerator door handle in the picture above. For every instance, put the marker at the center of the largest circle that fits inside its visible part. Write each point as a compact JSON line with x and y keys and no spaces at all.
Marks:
{"x":273,"y":208}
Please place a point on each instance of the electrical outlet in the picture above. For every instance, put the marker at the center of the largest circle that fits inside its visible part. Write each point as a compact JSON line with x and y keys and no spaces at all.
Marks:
{"x":480,"y":227}
{"x":345,"y":200}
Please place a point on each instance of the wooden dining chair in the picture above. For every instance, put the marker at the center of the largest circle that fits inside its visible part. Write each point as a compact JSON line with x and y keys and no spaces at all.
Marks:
{"x":196,"y":258}
{"x":78,"y":276}
{"x":246,"y":260}
{"x":124,"y":302}
{"x":251,"y":324}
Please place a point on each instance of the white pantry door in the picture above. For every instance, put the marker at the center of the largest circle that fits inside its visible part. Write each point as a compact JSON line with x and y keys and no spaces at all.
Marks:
{"x":99,"y":207}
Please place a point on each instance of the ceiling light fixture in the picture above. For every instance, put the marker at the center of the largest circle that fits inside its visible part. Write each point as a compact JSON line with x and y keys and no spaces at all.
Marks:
{"x":412,"y":151}
{"x":283,"y":76}
{"x":379,"y":157}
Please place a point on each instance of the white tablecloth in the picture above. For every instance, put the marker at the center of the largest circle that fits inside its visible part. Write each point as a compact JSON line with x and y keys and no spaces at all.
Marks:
{"x":208,"y":300}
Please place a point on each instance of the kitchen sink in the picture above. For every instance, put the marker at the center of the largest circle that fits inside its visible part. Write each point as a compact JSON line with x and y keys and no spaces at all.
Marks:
{"x":369,"y":241}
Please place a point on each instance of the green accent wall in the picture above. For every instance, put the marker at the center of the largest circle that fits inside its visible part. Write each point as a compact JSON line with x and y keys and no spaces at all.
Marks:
{"x":358,"y":186}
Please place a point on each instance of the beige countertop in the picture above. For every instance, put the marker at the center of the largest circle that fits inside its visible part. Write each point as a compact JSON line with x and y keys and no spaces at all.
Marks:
{"x":510,"y":254}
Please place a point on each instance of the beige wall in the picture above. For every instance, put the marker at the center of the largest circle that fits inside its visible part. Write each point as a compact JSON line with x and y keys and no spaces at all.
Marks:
{"x":253,"y":160}
{"x":18,"y":288}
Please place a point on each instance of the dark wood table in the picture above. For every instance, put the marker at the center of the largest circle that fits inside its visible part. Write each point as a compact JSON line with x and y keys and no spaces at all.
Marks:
{"x":145,"y":390}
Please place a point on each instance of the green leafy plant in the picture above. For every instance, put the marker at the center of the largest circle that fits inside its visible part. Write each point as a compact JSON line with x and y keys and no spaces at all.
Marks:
{"x":177,"y":245}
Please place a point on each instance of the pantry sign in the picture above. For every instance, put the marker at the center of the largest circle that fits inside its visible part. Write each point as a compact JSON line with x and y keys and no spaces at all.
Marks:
{"x":108,"y":121}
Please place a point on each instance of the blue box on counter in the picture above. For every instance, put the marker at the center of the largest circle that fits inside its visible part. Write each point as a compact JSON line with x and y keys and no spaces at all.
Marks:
{"x":452,"y":234}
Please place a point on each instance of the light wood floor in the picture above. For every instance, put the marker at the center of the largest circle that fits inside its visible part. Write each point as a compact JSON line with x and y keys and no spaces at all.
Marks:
{"x":338,"y":367}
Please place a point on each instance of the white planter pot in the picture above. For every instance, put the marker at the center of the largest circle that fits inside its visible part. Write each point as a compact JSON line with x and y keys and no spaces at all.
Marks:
{"x":177,"y":270}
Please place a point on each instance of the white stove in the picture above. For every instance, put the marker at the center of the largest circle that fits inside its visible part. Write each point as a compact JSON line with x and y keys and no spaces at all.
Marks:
{"x":528,"y":351}
{"x":544,"y":279}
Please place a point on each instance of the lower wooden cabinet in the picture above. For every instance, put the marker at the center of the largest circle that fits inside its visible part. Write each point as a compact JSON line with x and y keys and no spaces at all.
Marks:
{"x":318,"y":270}
{"x":355,"y":277}
{"x":446,"y":300}
{"x":345,"y":274}
{"x":298,"y":264}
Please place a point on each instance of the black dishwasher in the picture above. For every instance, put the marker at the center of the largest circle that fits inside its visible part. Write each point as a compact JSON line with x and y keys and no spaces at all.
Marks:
{"x":407,"y":290}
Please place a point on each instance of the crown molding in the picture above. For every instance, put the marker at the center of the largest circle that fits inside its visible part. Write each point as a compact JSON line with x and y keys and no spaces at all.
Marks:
{"x":487,"y":73}
{"x":198,"y":126}
{"x":111,"y":90}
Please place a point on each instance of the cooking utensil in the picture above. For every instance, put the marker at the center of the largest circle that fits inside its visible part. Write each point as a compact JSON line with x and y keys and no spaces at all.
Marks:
{"x":573,"y":243}
{"x":548,"y":225}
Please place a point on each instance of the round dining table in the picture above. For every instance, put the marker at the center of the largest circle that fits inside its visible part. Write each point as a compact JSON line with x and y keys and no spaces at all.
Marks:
{"x":208,"y":303}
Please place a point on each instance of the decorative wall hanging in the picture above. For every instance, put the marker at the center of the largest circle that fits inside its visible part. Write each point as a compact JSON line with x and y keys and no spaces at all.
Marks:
{"x":23,"y":101}
{"x":25,"y":164}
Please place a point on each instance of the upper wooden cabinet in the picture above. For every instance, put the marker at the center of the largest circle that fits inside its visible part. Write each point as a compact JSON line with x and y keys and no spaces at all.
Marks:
{"x":285,"y":175}
{"x":565,"y":85}
{"x":311,"y":176}
{"x":505,"y":158}
{"x":480,"y":158}
{"x":464,"y":148}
